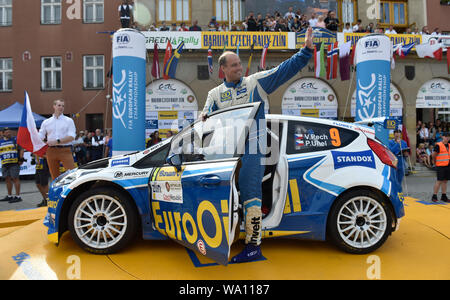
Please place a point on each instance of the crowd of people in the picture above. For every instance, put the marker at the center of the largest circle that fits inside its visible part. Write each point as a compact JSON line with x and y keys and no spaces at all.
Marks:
{"x":290,"y":21}
{"x":428,"y":135}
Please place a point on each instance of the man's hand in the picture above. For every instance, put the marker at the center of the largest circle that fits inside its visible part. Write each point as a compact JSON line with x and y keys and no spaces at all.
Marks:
{"x":309,"y":38}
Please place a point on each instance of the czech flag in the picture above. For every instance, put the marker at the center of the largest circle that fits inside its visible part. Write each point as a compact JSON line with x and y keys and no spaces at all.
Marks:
{"x":28,"y":136}
{"x":210,"y":60}
{"x":171,"y":68}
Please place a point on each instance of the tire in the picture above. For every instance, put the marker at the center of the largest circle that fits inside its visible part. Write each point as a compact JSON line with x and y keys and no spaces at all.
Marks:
{"x":360,"y":222}
{"x":103,"y":220}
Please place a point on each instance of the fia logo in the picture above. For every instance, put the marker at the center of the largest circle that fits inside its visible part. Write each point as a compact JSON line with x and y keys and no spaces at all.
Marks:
{"x":372,"y":44}
{"x":123,"y":38}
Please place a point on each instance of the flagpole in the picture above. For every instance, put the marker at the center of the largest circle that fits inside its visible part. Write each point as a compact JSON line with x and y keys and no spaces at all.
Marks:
{"x":348,"y":94}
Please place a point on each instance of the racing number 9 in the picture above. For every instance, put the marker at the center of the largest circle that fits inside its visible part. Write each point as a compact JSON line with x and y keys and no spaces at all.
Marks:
{"x":335,"y":138}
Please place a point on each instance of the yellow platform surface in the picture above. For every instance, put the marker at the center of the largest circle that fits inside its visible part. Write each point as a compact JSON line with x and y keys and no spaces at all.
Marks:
{"x":419,"y":250}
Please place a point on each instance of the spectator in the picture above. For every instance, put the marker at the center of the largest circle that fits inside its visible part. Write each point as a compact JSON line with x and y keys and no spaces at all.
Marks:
{"x":223,"y":28}
{"x":109,"y":148}
{"x":88,"y":145}
{"x":313,"y":20}
{"x":41,"y":178}
{"x":290,"y":13}
{"x":281,"y":26}
{"x":439,"y":135}
{"x":408,"y":31}
{"x":436,"y":31}
{"x":424,"y":134}
{"x":432,"y":132}
{"x":320,"y":22}
{"x":400,"y":149}
{"x":98,"y":144}
{"x":331,"y":21}
{"x":347,"y":28}
{"x":59,"y":132}
{"x":164,"y":27}
{"x":370,"y":28}
{"x":195,"y":26}
{"x":154,"y":139}
{"x":11,"y":156}
{"x":391,"y":30}
{"x":259,"y":23}
{"x":441,"y":159}
{"x":125,"y":14}
{"x":297,"y":26}
{"x":298,"y":13}
{"x":422,"y":157}
{"x":79,"y":148}
{"x":234,"y":27}
{"x":378,"y":29}
{"x":174,"y":27}
{"x":213,"y":25}
{"x":251,"y":22}
{"x":183,"y":27}
{"x":358,"y":27}
{"x":425,"y":30}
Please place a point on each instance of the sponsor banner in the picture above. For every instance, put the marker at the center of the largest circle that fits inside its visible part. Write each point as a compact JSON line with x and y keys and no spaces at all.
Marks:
{"x":434,"y":93}
{"x":167,"y":191}
{"x":128,"y":107}
{"x":120,"y":162}
{"x":373,"y":78}
{"x":395,"y":103}
{"x":395,"y":38}
{"x":230,"y":40}
{"x":320,"y":35}
{"x":353,"y":159}
{"x":310,"y":97}
{"x":191,"y":39}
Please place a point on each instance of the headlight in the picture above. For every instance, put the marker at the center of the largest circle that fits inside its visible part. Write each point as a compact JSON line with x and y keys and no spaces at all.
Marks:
{"x":66,"y":178}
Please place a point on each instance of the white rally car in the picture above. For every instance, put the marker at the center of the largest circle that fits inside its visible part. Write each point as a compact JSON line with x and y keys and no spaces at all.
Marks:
{"x":324,"y":179}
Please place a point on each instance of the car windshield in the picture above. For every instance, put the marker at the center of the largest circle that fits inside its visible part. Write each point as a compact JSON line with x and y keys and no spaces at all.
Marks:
{"x":215,"y":138}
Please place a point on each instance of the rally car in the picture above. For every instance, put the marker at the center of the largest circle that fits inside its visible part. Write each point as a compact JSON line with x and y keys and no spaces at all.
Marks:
{"x":324,"y":180}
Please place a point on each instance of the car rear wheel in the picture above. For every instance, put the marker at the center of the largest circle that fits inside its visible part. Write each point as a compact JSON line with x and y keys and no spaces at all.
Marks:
{"x":102,"y":220}
{"x":360,"y":222}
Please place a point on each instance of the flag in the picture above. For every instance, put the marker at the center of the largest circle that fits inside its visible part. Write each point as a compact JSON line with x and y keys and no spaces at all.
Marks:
{"x":262,"y":63}
{"x":405,"y":137}
{"x":403,"y":50}
{"x":28,"y":136}
{"x":448,"y":60}
{"x":155,"y":66}
{"x":167,"y":56}
{"x":352,"y":56}
{"x":210,"y":60}
{"x":250,"y":60}
{"x":332,"y":60}
{"x":221,"y":74}
{"x":431,"y":51}
{"x":171,"y":67}
{"x":344,"y":60}
{"x":299,"y":142}
{"x":319,"y":62}
{"x":237,"y":48}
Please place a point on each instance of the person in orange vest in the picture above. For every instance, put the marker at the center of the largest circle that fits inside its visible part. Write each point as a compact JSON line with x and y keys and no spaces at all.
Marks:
{"x":441,"y":159}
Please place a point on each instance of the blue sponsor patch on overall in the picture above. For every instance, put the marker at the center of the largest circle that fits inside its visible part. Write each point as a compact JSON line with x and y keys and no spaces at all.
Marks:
{"x":350,"y":159}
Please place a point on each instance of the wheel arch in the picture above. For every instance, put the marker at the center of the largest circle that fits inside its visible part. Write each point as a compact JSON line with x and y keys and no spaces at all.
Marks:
{"x":64,"y":212}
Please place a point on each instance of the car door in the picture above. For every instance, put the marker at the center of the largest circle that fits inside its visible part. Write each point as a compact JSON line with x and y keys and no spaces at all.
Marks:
{"x":193,"y":198}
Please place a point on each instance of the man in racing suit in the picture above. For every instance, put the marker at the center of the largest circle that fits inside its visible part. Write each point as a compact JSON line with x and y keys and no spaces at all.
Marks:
{"x":240,"y":90}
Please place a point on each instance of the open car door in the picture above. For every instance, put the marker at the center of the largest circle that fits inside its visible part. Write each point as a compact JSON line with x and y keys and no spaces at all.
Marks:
{"x":193,"y":198}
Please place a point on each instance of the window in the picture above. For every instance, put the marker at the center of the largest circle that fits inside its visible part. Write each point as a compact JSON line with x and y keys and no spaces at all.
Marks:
{"x":174,"y":11}
{"x":394,"y":13}
{"x":347,"y":11}
{"x":93,"y":11}
{"x":216,"y":138}
{"x":50,"y":11}
{"x":155,"y":159}
{"x":93,"y":71}
{"x":51,"y":73}
{"x":5,"y":74}
{"x":304,"y":137}
{"x":221,"y":10}
{"x":5,"y":12}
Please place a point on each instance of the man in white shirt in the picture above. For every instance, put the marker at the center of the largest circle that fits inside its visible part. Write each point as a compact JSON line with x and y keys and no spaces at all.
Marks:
{"x":58,"y":132}
{"x":313,"y":20}
{"x":391,"y":30}
{"x":358,"y":26}
{"x":98,"y":144}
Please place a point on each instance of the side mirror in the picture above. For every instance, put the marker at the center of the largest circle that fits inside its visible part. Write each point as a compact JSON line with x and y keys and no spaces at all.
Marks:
{"x":175,"y":161}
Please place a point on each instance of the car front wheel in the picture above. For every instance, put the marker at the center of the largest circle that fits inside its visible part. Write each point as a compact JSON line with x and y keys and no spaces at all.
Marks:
{"x":360,"y":222}
{"x":102,"y":220}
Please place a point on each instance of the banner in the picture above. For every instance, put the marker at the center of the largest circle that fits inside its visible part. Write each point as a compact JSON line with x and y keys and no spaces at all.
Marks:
{"x":245,"y":39}
{"x":434,"y":93}
{"x":191,"y":39}
{"x":170,"y":106}
{"x":128,"y":109}
{"x":373,"y":77}
{"x":395,"y":38}
{"x":310,"y":97}
{"x":320,"y":35}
